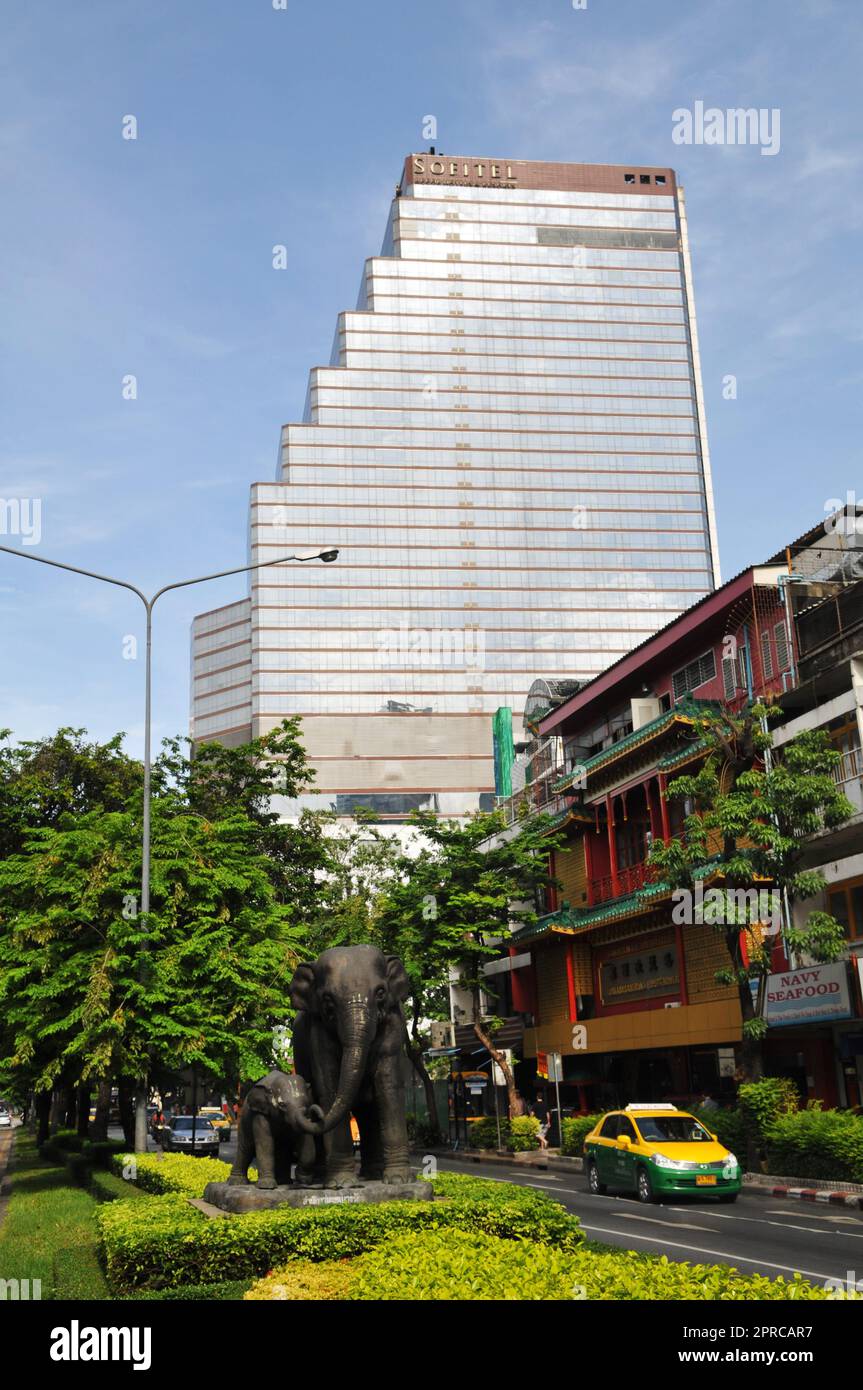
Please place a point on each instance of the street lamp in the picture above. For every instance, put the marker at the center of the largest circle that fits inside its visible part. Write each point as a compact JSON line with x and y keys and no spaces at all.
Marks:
{"x":326,"y":556}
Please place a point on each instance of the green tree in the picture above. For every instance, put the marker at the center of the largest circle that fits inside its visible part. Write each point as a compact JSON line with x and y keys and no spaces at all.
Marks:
{"x":42,"y":780}
{"x":452,"y":905}
{"x":750,"y":810}
{"x":91,"y":990}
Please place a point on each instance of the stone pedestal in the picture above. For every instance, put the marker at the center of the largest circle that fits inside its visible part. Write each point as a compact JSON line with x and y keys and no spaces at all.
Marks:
{"x":249,"y":1197}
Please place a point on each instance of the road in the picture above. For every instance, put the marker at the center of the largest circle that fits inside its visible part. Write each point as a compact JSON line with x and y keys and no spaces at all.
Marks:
{"x":758,"y":1235}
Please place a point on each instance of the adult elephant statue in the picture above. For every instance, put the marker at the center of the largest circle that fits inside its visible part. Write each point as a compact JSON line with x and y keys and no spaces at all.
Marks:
{"x":278,"y":1126}
{"x":349,"y":1044}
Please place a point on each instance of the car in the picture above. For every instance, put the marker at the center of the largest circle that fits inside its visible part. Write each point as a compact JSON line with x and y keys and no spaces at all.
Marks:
{"x":657,"y":1151}
{"x":5,"y":1118}
{"x":190,"y":1134}
{"x":218,"y":1119}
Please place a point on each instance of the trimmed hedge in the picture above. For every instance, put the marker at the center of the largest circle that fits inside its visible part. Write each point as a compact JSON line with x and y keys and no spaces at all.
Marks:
{"x":523,"y":1133}
{"x":816,"y":1143}
{"x":437,"y":1266}
{"x":163,"y":1173}
{"x":518,"y":1135}
{"x":167,"y":1243}
{"x":482,"y":1133}
{"x":575,"y":1130}
{"x":209,"y":1293}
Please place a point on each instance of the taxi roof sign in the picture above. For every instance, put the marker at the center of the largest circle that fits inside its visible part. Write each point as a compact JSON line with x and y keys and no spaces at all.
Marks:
{"x":653,"y":1105}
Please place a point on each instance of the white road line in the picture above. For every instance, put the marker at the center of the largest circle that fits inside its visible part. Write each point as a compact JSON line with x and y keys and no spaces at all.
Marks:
{"x":718,"y":1254}
{"x":657,"y":1221}
{"x":814,"y":1216}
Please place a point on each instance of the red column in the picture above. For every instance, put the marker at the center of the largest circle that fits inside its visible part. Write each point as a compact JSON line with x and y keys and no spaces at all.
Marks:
{"x":663,"y":809}
{"x":570,"y":985}
{"x":612,"y":845}
{"x":588,"y":866}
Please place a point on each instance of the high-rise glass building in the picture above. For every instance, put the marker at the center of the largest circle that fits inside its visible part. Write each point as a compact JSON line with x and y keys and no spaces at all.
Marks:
{"x":508,"y":448}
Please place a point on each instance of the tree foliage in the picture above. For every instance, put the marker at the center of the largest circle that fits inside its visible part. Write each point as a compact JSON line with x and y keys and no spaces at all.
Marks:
{"x":750,"y":809}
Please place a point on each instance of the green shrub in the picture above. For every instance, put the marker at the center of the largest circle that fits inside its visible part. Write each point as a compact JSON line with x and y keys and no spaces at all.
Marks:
{"x":575,"y":1130}
{"x":728,"y":1126}
{"x":78,"y":1168}
{"x":304,"y":1281}
{"x":422,"y":1133}
{"x":162,"y":1173}
{"x":816,"y":1143}
{"x":524,"y":1133}
{"x":456,"y":1264}
{"x":67,"y":1139}
{"x":165,"y":1242}
{"x":232,"y":1289}
{"x":101,"y":1151}
{"x":762,"y":1102}
{"x":482,"y":1134}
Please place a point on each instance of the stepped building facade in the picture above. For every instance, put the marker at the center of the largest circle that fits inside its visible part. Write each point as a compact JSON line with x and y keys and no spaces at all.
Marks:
{"x":508,"y":449}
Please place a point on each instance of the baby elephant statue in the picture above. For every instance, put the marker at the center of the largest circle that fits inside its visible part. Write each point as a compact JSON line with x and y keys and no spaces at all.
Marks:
{"x":276,"y":1129}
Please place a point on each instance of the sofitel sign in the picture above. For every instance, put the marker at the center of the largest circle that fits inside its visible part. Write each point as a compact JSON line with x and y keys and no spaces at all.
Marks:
{"x":424,"y":167}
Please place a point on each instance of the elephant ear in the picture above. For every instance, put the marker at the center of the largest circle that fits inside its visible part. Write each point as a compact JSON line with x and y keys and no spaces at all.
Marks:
{"x":303,"y":989}
{"x":397,"y":979}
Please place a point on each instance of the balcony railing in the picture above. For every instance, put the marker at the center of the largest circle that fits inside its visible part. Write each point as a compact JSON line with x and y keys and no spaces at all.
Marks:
{"x":626,"y":881}
{"x":848,"y":776}
{"x":532,"y":799}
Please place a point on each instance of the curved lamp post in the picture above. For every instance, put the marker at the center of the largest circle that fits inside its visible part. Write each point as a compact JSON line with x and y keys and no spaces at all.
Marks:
{"x":327,"y":556}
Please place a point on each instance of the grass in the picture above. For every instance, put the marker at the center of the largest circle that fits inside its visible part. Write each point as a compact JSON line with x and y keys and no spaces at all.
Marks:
{"x":49,"y":1232}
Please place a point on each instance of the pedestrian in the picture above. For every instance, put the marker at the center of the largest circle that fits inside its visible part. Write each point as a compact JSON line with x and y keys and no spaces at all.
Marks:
{"x":542,"y":1134}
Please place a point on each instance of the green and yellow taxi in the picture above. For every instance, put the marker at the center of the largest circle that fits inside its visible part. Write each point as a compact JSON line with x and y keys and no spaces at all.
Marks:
{"x":657,"y":1151}
{"x":218,"y":1119}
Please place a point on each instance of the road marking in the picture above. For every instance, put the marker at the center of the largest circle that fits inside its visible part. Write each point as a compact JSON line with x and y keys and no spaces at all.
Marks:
{"x":814,"y":1216}
{"x":718,"y":1254}
{"x":658,"y":1221}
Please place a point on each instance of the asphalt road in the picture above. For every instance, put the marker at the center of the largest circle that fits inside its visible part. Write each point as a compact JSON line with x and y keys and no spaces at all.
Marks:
{"x":757,"y":1235}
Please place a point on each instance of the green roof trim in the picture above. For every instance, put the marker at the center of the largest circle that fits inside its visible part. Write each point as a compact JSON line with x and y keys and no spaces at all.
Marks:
{"x":580,"y":919}
{"x":686,"y":709}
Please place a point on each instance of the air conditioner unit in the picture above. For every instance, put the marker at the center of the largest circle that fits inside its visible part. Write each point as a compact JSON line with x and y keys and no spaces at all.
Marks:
{"x":674,"y":1005}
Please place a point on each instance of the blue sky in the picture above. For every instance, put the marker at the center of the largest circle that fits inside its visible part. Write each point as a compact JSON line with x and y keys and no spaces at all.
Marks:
{"x":259,"y":126}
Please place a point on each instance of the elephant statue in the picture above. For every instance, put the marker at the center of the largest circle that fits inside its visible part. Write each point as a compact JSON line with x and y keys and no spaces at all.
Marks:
{"x":349,"y":1045}
{"x":278,"y":1127}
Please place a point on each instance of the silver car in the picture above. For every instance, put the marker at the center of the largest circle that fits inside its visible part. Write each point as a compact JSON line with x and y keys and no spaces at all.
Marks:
{"x":187,"y":1134}
{"x":5,"y":1118}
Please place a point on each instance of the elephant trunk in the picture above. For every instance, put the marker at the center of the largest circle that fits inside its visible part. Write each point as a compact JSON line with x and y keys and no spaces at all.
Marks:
{"x":357,"y":1039}
{"x":311,"y":1124}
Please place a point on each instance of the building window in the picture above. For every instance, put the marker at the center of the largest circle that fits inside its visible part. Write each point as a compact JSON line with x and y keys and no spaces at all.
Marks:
{"x":845,"y":903}
{"x":729,"y":677}
{"x":644,"y":178}
{"x":660,"y":179}
{"x":780,"y":636}
{"x":629,"y":178}
{"x":766,"y":656}
{"x":698,"y":672}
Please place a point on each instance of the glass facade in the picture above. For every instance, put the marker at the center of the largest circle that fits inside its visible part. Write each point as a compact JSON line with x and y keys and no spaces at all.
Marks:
{"x":508,"y":450}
